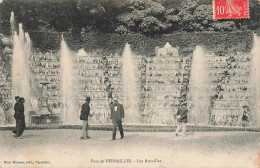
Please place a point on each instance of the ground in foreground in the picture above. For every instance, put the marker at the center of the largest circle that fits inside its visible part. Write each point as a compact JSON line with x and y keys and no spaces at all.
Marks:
{"x":63,"y":148}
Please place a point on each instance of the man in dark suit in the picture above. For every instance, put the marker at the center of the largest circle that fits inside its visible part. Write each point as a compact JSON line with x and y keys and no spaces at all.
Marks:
{"x":182,"y":119}
{"x":85,"y":112}
{"x":19,"y":117}
{"x":117,"y":116}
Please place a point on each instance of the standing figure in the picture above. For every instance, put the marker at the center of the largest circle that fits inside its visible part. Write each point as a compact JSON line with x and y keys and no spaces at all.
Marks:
{"x":85,"y":112}
{"x":245,"y":116}
{"x":19,"y":117}
{"x":117,"y":116}
{"x":182,"y":119}
{"x":109,"y":89}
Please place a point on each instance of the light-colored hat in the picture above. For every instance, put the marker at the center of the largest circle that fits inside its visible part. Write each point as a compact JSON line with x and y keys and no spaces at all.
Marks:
{"x":115,"y":97}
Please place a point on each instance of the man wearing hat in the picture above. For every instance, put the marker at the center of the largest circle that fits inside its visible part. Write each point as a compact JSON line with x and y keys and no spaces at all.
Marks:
{"x":117,"y":116}
{"x":19,"y":117}
{"x":85,"y":112}
{"x":182,"y":118}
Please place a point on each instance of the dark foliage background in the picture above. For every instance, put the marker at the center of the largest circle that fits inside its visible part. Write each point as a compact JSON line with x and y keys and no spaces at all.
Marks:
{"x":147,"y":17}
{"x":219,"y":42}
{"x":107,"y":25}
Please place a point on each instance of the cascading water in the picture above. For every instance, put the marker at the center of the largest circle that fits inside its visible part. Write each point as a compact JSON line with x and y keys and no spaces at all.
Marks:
{"x":131,"y":97}
{"x":12,"y":22}
{"x":20,"y":67}
{"x":70,"y":113}
{"x":255,"y":81}
{"x":81,"y":52}
{"x":199,"y":86}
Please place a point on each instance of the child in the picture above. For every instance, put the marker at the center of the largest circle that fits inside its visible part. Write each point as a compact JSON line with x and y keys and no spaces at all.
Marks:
{"x":245,"y":116}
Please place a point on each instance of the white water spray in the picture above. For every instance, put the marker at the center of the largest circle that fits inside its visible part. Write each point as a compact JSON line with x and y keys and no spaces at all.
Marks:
{"x":12,"y":22}
{"x":20,"y":67}
{"x":131,"y":97}
{"x":82,"y":52}
{"x":255,"y":79}
{"x":199,"y":84}
{"x":69,"y":108}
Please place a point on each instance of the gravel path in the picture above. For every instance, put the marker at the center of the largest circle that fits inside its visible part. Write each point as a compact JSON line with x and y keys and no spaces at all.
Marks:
{"x":63,"y":148}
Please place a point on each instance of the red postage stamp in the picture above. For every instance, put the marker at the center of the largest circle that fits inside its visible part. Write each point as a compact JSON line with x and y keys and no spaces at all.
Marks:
{"x":230,"y":9}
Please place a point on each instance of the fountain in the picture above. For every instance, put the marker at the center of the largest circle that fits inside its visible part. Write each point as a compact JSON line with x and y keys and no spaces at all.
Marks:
{"x":44,"y":116}
{"x":255,"y":79}
{"x":163,"y":80}
{"x":12,"y":22}
{"x":81,"y":52}
{"x":199,"y":86}
{"x":20,"y":66}
{"x":45,"y":108}
{"x":70,"y":114}
{"x":131,"y":97}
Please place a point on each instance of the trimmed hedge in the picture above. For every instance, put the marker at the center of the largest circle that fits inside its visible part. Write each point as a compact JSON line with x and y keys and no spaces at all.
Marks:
{"x":140,"y":44}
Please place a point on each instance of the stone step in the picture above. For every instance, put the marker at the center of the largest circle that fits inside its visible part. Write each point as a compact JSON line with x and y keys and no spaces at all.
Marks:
{"x":141,"y":128}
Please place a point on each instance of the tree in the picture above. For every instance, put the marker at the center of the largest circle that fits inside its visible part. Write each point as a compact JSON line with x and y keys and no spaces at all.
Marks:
{"x":90,"y":14}
{"x":199,"y":17}
{"x":186,"y":15}
{"x":148,"y":17}
{"x":203,"y":17}
{"x":223,"y":26}
{"x":172,"y":20}
{"x":141,"y":16}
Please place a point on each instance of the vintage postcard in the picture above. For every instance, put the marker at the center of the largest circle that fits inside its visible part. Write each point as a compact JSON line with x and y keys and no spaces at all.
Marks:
{"x":129,"y":84}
